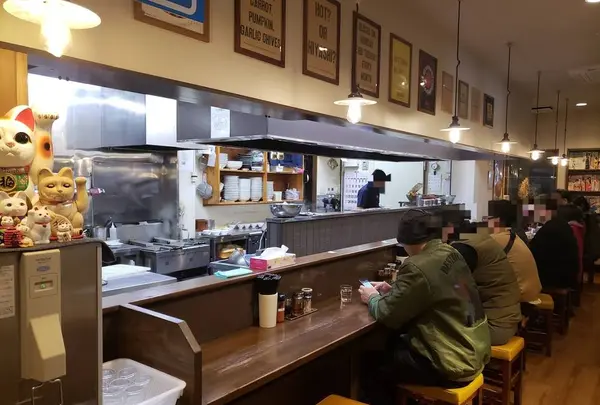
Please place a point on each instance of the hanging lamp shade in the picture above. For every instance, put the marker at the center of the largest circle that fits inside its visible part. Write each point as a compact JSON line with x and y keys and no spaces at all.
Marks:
{"x":506,"y":143}
{"x":564,"y":161}
{"x":555,"y":158}
{"x":535,"y":151}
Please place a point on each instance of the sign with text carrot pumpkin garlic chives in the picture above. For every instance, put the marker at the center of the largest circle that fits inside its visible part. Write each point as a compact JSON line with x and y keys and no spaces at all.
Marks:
{"x":260,"y":30}
{"x":321,"y":40}
{"x":366,"y":57}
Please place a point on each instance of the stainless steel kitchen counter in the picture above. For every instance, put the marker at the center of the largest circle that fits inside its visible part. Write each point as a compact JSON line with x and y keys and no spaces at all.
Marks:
{"x":135,"y":282}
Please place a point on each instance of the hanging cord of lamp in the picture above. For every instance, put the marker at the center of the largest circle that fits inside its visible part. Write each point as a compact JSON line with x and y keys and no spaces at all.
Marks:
{"x":355,"y":100}
{"x":536,"y":152}
{"x":506,"y":142}
{"x":555,"y":158}
{"x":454,"y":128}
{"x":565,"y":160}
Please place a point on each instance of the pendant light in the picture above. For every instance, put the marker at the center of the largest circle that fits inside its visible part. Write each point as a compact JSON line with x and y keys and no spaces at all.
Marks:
{"x":454,"y":128}
{"x":536,"y":152}
{"x":355,"y":100}
{"x":56,"y":17}
{"x":506,"y":142}
{"x":565,"y":160}
{"x":555,"y":158}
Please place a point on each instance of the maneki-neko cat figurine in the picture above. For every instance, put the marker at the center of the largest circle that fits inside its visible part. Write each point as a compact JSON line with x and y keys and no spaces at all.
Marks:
{"x":17,"y":151}
{"x":57,"y":193}
{"x":14,"y":207}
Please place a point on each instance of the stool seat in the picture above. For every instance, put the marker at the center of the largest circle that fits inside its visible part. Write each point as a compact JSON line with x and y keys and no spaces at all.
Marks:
{"x":337,"y":400}
{"x":546,"y":302}
{"x":509,"y":350}
{"x":454,"y":396}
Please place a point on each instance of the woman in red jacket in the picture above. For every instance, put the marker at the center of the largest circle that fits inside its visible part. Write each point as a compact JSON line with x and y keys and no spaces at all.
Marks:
{"x":574,"y":216}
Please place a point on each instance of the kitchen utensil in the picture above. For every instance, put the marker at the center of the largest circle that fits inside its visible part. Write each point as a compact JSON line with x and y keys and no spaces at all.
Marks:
{"x":235,"y":164}
{"x":285,"y":210}
{"x":238,"y":258}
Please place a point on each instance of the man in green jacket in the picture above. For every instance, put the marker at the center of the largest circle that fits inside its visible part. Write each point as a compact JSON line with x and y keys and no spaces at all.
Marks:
{"x":439,"y":334}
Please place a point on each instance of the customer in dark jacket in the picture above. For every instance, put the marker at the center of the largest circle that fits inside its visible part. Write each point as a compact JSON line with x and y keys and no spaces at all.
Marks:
{"x":591,"y":243}
{"x":439,"y":334}
{"x":497,"y":284}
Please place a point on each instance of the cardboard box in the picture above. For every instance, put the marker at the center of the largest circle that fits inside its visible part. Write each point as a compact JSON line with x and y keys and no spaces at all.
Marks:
{"x":258,"y":264}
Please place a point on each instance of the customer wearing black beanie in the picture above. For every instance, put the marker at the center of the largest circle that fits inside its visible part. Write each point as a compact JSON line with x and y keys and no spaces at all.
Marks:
{"x":415,"y":229}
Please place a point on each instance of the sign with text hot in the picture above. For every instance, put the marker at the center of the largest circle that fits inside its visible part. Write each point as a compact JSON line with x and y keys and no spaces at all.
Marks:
{"x":321,"y":43}
{"x":260,"y":30}
{"x":186,"y":17}
{"x":366,"y":55}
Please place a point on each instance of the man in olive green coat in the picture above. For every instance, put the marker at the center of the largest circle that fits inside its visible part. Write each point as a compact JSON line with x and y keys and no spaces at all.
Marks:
{"x":439,"y":334}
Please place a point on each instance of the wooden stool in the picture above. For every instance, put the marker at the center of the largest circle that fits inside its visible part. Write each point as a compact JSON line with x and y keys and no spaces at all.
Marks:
{"x":451,"y":396}
{"x":539,"y":330}
{"x":337,"y":400}
{"x":504,"y":373}
{"x":562,"y":307}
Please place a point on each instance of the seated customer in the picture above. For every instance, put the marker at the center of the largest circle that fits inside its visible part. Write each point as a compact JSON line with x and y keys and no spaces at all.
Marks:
{"x":438,"y":332}
{"x":497,"y":285}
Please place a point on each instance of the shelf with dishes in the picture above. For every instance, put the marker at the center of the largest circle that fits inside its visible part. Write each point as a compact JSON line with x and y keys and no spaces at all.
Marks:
{"x":243,"y":176}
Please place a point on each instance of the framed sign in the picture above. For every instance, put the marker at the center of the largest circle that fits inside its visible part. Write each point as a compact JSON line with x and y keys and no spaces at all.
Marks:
{"x":186,"y":17}
{"x":427,"y":82}
{"x":366,"y":55}
{"x":260,"y":30}
{"x":447,"y":93}
{"x":400,"y":71}
{"x":476,"y":113}
{"x":463,"y":100}
{"x":321,"y":43}
{"x":488,"y":110}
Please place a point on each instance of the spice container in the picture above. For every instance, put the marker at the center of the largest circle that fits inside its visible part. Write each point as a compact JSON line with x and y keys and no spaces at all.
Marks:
{"x":298,"y":303}
{"x":281,"y":308}
{"x":307,"y":299}
{"x":288,"y":306}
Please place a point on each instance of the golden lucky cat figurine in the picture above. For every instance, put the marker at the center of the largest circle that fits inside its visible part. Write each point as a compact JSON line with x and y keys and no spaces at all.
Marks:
{"x":57,"y":192}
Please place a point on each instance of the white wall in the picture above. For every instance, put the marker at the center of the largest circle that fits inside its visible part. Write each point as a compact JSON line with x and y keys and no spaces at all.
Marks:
{"x":122,"y":42}
{"x":470,"y":186}
{"x":404,"y":176}
{"x":326,"y":177}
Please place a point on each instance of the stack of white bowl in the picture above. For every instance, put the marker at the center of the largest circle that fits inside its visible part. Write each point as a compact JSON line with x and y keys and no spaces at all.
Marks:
{"x":244,"y":189}
{"x":256,"y":188}
{"x":270,"y":190}
{"x":223,"y":159}
{"x":231,"y":191}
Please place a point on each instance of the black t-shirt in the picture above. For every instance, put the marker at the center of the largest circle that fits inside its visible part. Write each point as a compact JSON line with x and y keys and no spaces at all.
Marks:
{"x":368,"y":196}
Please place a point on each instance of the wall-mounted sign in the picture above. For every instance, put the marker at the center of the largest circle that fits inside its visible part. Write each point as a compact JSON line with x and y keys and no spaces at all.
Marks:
{"x":463,"y":100}
{"x":366,"y":53}
{"x":427,"y":82}
{"x":400,"y":71}
{"x":447,"y":93}
{"x":488,"y":110}
{"x":185,"y":17}
{"x":260,"y":30}
{"x":321,"y":43}
{"x":476,"y":113}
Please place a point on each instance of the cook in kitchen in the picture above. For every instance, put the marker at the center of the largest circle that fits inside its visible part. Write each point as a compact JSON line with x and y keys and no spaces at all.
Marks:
{"x":368,"y":195}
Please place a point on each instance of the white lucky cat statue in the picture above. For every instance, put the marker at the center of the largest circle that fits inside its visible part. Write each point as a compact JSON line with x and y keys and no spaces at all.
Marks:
{"x":15,"y":207}
{"x":63,"y":232}
{"x":38,"y":222}
{"x":17,"y":151}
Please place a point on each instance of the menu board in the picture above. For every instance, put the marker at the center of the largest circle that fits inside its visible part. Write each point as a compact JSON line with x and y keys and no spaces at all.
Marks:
{"x":321,"y":40}
{"x":260,"y":30}
{"x":400,"y":71}
{"x":366,"y":55}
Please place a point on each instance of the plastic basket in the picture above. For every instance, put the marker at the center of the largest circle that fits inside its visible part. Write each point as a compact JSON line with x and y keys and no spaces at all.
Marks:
{"x":162,"y":390}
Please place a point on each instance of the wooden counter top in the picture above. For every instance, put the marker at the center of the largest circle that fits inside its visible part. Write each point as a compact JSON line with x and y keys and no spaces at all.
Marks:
{"x":243,"y":361}
{"x":205,"y":284}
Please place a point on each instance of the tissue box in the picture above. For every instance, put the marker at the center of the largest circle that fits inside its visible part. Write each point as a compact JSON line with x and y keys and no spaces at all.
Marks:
{"x":258,"y":264}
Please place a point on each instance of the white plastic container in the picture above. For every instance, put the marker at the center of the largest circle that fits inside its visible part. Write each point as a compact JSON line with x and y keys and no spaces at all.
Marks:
{"x":162,"y":390}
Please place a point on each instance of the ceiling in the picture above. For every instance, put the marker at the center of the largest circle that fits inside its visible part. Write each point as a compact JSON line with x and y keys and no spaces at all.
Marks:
{"x":554,"y":36}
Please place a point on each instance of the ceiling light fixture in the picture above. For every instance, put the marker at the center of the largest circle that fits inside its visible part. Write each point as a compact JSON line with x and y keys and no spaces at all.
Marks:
{"x":592,"y":1}
{"x":56,"y":17}
{"x":555,"y":158}
{"x":565,"y":160}
{"x":536,"y":152}
{"x":506,"y":142}
{"x":355,"y":100}
{"x":580,"y":104}
{"x":454,"y":128}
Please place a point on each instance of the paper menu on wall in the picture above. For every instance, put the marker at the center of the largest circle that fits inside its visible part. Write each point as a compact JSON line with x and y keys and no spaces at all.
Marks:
{"x":7,"y":291}
{"x":353,"y":182}
{"x":434,"y":183}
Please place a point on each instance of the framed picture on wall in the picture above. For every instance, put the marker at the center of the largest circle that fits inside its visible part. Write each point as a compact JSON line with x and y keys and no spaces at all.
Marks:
{"x":447,"y":93}
{"x":321,"y":42}
{"x":476,"y":113}
{"x":366,"y":55}
{"x":427,"y":82}
{"x":261,"y":33}
{"x":400,"y":71}
{"x":488,"y":110}
{"x":463,"y":100}
{"x":191,"y":23}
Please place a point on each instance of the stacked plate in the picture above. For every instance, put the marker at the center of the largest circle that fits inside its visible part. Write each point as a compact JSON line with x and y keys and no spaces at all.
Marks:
{"x":231,"y":191}
{"x":244,"y":189}
{"x":252,"y":160}
{"x":270,"y":190}
{"x":256,"y":188}
{"x":223,"y":159}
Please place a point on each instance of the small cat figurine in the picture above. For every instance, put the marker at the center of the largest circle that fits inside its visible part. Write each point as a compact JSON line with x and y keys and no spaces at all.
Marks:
{"x":63,"y":233}
{"x":24,"y":229}
{"x":38,"y":221}
{"x":15,"y":207}
{"x":7,"y":222}
{"x":57,"y":193}
{"x":17,"y":151}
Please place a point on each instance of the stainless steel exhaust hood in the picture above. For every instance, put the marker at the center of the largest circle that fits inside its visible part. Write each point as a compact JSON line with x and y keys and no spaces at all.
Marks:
{"x":232,"y":128}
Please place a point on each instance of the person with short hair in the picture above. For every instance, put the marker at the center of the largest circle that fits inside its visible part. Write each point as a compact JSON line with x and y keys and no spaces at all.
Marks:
{"x":438,"y":329}
{"x":368,"y":195}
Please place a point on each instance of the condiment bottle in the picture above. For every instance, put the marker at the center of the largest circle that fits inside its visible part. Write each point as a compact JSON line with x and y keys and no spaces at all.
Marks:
{"x":281,"y":308}
{"x":307,"y":299}
{"x":298,"y":304}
